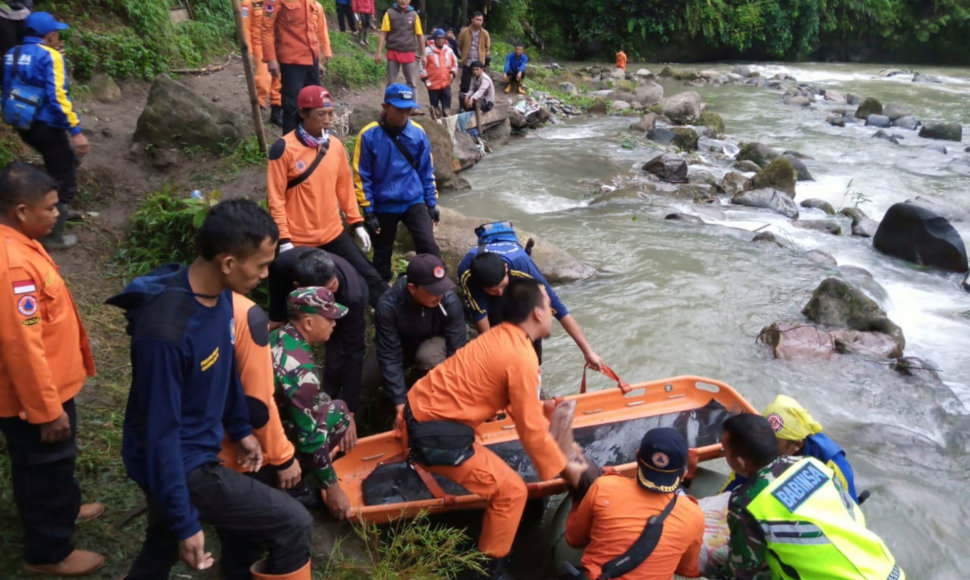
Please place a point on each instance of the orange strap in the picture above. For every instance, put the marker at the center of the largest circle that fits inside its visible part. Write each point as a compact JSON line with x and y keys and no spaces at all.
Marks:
{"x":432,"y":484}
{"x":610,"y":373}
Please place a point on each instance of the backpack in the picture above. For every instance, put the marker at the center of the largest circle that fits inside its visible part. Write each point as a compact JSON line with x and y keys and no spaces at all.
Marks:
{"x":23,"y":100}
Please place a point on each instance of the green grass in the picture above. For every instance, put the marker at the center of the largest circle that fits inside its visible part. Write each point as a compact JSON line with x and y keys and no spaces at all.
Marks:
{"x":352,"y":66}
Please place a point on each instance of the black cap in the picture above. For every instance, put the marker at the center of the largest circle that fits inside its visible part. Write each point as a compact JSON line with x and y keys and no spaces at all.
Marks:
{"x":661,"y":460}
{"x":428,"y":272}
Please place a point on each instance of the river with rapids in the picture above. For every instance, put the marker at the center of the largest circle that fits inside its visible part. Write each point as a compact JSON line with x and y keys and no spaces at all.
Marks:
{"x":672,"y":298}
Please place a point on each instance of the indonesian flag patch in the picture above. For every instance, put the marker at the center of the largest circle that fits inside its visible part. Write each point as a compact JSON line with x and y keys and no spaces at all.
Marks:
{"x":24,"y":287}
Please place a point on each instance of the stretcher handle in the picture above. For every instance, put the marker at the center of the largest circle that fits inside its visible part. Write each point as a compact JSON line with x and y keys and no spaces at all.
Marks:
{"x":610,"y":373}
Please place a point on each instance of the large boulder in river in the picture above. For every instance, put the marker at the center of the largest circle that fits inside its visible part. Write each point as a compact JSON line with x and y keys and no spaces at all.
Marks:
{"x":757,"y":153}
{"x":685,"y":138}
{"x":174,"y":116}
{"x":455,"y":235}
{"x":649,"y":93}
{"x":881,"y":121}
{"x":945,"y":131}
{"x":908,"y":122}
{"x":773,"y":199}
{"x":895,"y":111}
{"x":952,"y":212}
{"x":921,"y":236}
{"x":799,"y":341}
{"x":779,"y":174}
{"x":668,"y":167}
{"x":870,"y":106}
{"x":443,"y":153}
{"x":837,"y":303}
{"x":683,"y":108}
{"x":862,"y":225}
{"x":712,"y":120}
{"x":734,"y":183}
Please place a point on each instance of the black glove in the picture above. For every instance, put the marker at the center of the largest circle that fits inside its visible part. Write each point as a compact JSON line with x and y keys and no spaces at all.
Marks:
{"x":372,"y":223}
{"x":488,"y":61}
{"x":435,"y":214}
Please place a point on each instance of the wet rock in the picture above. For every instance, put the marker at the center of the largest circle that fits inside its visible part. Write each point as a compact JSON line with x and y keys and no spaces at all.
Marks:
{"x":880,"y":134}
{"x":662,"y":135}
{"x":568,"y":88}
{"x":649,"y":93}
{"x":713,"y":120}
{"x":734,"y":183}
{"x":443,"y":153}
{"x":895,"y":111}
{"x":747,"y":166}
{"x":758,"y":153}
{"x":801,"y":170}
{"x":642,"y":72}
{"x":798,"y":101}
{"x":766,"y":237}
{"x":646,"y":123}
{"x":599,"y":107}
{"x":683,"y":217}
{"x":906,"y":122}
{"x":621,"y":106}
{"x":779,"y":174}
{"x":618,"y":74}
{"x":622,"y":96}
{"x":837,"y":303}
{"x":852,"y":99}
{"x":828,"y":226}
{"x":517,"y":119}
{"x":834,"y":97}
{"x":835,"y":120}
{"x":455,"y":235}
{"x":668,"y":167}
{"x":870,"y":106}
{"x":936,"y":147}
{"x":818,"y":204}
{"x":862,"y":225}
{"x":772,"y":199}
{"x":683,"y":108}
{"x":863,"y":279}
{"x":823,"y":258}
{"x":800,"y":341}
{"x":921,"y":78}
{"x":877,"y":121}
{"x":685,"y":138}
{"x":104,"y":88}
{"x":174,"y":116}
{"x":951,"y":212}
{"x":922,"y":236}
{"x":966,"y":283}
{"x":945,"y":131}
{"x":702,"y":176}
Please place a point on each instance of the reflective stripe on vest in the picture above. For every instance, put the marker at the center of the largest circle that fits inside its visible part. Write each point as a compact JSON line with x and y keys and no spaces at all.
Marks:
{"x":814,"y":530}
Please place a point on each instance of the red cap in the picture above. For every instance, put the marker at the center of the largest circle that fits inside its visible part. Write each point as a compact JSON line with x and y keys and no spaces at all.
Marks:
{"x":312,"y":97}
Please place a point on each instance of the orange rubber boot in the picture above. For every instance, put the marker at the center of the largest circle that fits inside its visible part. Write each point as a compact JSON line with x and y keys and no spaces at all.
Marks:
{"x":257,"y":570}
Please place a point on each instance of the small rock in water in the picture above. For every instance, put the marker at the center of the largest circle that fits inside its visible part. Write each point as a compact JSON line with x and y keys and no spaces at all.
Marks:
{"x":684,"y":217}
{"x":818,"y":204}
{"x":877,"y":121}
{"x":944,"y":131}
{"x":936,"y":147}
{"x":828,"y":226}
{"x":765,"y":237}
{"x":661,"y":135}
{"x":668,"y":167}
{"x":906,"y":122}
{"x":835,"y":120}
{"x":747,"y":166}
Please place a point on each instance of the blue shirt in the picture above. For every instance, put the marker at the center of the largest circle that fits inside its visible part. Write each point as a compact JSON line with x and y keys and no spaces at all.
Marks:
{"x":184,"y":389}
{"x":384,"y":178}
{"x":520,"y":265}
{"x":514,"y":64}
{"x":43,"y":67}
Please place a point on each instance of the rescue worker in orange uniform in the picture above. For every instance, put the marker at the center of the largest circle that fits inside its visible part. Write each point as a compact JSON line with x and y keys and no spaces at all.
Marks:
{"x":267,"y":86}
{"x":308,"y":213}
{"x":499,"y":370}
{"x":296,"y":46}
{"x":45,"y":359}
{"x":621,"y":60}
{"x":254,"y":362}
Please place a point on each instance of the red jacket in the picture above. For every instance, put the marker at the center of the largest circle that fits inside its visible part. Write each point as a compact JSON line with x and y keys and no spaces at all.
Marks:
{"x":363,"y":6}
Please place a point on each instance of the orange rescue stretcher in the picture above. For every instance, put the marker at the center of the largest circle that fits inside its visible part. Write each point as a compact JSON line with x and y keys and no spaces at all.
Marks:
{"x":608,"y":424}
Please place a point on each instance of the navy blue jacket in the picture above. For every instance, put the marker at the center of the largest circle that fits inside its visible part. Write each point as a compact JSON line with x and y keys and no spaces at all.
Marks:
{"x":384,"y":179}
{"x":184,"y":389}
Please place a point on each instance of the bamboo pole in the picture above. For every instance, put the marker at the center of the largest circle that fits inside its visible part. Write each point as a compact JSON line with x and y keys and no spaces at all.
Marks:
{"x":250,"y":77}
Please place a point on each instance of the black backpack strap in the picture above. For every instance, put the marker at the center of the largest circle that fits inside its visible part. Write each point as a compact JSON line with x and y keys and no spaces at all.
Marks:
{"x":16,"y":62}
{"x":400,"y":147}
{"x":309,"y":170}
{"x":641,"y":549}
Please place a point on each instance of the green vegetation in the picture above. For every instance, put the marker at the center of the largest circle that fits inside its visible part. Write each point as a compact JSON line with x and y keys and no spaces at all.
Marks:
{"x":352,"y":66}
{"x":137,"y":39}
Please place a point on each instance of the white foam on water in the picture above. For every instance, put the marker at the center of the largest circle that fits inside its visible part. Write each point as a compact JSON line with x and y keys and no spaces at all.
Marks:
{"x":537,"y":202}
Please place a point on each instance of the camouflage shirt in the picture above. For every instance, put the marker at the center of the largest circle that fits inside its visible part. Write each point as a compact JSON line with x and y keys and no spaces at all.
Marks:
{"x":314,"y":422}
{"x":746,"y":558}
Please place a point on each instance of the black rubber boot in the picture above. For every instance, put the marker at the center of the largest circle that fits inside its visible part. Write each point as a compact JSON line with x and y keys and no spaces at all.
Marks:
{"x":495,"y":569}
{"x":276,"y":116}
{"x":58,"y":240}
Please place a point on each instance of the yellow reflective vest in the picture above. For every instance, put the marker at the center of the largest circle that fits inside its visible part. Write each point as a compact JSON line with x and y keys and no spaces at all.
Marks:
{"x":813,"y":529}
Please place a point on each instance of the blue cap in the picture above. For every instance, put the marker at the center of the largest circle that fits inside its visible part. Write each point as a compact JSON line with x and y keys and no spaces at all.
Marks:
{"x":438,"y":33}
{"x":401,"y":96}
{"x":661,"y":460}
{"x":42,"y":24}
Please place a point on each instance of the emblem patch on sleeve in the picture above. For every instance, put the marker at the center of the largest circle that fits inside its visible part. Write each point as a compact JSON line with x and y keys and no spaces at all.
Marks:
{"x":27,"y":305}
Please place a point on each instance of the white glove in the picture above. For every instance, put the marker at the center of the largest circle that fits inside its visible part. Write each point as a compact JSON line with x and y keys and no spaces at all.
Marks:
{"x":286,"y":247}
{"x":363,"y":237}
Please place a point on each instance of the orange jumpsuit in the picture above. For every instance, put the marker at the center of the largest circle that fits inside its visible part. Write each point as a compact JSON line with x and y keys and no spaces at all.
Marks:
{"x":45,"y":356}
{"x":612,"y":516}
{"x":498,"y":370}
{"x":267,"y":87}
{"x":309,"y":214}
{"x":295,"y":32}
{"x":621,"y":60}
{"x":255,"y":365}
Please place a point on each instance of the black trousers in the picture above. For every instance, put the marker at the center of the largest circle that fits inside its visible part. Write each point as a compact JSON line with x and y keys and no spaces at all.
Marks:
{"x":44,"y":487}
{"x":294,"y":77}
{"x":239,"y":507}
{"x":60,"y":161}
{"x":417,"y":221}
{"x":343,"y":368}
{"x":440,"y":97}
{"x":466,"y":79}
{"x":345,"y":12}
{"x":345,"y":247}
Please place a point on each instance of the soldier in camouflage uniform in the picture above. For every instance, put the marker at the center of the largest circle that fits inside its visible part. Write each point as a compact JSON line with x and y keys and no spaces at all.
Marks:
{"x":314,"y":422}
